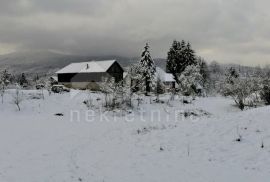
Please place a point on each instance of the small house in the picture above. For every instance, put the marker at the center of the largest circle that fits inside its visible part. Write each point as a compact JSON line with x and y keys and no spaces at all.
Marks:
{"x":166,"y":78}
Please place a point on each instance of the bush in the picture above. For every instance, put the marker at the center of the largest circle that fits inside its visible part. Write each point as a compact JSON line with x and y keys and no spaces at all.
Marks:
{"x":239,"y":89}
{"x":190,"y":80}
{"x":244,"y":90}
{"x":265,"y":94}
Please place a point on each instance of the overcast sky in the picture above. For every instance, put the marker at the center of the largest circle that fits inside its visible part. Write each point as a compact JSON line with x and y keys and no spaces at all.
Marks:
{"x":235,"y":31}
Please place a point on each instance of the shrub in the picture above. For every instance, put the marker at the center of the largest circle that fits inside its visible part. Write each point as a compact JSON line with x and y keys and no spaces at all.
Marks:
{"x":265,"y":94}
{"x":239,"y":89}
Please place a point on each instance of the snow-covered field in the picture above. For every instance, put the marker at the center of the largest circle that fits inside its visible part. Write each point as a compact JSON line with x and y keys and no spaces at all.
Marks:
{"x":37,"y":146}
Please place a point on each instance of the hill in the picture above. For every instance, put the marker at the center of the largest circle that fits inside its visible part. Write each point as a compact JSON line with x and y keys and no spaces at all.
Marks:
{"x":49,"y":62}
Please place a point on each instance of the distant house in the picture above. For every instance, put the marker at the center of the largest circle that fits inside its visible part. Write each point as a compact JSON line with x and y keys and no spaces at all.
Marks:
{"x":89,"y":74}
{"x":166,"y":78}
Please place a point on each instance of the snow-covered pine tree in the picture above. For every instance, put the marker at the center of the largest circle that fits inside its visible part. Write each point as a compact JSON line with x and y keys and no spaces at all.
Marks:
{"x":191,"y":79}
{"x":148,"y":68}
{"x":179,"y":57}
{"x":4,"y":81}
{"x":5,"y":77}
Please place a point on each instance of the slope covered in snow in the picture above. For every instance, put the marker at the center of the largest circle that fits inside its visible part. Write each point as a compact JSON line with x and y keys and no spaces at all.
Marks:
{"x":36,"y":145}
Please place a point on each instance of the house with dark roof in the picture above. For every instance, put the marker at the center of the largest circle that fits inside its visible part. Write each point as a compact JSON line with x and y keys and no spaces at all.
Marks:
{"x":89,"y":74}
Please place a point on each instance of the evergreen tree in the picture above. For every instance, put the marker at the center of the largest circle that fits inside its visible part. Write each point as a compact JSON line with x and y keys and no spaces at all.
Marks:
{"x":183,"y":44}
{"x":174,"y":57}
{"x":4,"y":81}
{"x":189,"y":55}
{"x":5,"y":77}
{"x":148,"y":68}
{"x":191,"y":79}
{"x":180,"y":56}
{"x":265,"y":92}
{"x":23,"y":80}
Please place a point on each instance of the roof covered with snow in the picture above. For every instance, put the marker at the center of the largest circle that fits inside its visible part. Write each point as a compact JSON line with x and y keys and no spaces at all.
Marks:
{"x":165,"y":77}
{"x":87,"y":67}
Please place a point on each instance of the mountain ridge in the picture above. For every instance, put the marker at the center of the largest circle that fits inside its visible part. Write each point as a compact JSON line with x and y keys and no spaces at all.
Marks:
{"x":46,"y":62}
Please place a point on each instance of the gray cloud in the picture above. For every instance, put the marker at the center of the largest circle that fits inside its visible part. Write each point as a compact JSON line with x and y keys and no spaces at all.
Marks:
{"x":224,"y":30}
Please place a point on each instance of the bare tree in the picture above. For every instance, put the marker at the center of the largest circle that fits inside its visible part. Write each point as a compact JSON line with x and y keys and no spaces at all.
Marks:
{"x":239,"y":88}
{"x":112,"y":91}
{"x":18,"y":98}
{"x":133,"y":82}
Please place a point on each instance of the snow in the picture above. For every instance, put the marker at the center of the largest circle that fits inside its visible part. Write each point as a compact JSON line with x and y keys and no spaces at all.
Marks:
{"x":165,"y":77}
{"x":36,"y":145}
{"x":55,"y":78}
{"x":87,"y":67}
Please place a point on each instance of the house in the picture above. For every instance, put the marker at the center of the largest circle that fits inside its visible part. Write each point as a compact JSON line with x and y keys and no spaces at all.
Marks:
{"x":166,"y":78}
{"x":89,"y":74}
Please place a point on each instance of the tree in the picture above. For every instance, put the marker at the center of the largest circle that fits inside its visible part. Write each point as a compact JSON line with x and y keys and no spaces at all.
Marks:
{"x":238,"y":88}
{"x":231,"y":75}
{"x":267,"y":72}
{"x":5,"y":77}
{"x":113,"y":92}
{"x":215,"y":68}
{"x":148,"y":68}
{"x":134,"y":78}
{"x":191,"y":79}
{"x":2,"y":91}
{"x":4,"y":81}
{"x":216,"y":74}
{"x":189,"y":54}
{"x":22,"y":80}
{"x":132,"y":83}
{"x":265,"y":92}
{"x":160,"y":88}
{"x":18,"y":98}
{"x":179,"y":57}
{"x":36,"y":79}
{"x":204,"y":70}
